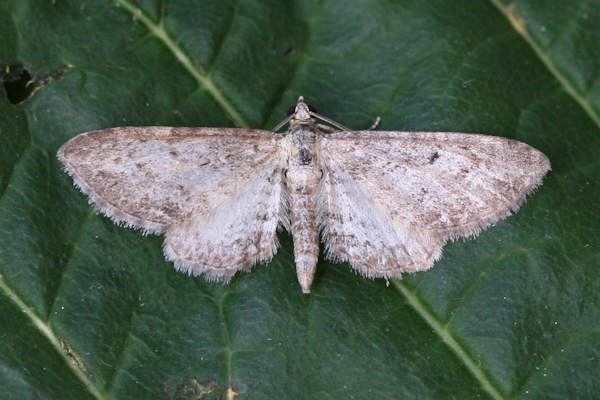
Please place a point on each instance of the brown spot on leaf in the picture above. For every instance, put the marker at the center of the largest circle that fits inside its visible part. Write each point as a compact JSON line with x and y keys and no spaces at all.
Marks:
{"x":192,"y":387}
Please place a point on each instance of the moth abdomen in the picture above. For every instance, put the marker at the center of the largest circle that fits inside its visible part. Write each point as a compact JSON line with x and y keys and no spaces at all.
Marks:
{"x":302,"y":186}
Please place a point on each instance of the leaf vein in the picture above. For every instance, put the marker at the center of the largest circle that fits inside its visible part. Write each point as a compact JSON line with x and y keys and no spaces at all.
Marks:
{"x":520,"y":26}
{"x":204,"y":80}
{"x":447,"y":338}
{"x":46,"y":330}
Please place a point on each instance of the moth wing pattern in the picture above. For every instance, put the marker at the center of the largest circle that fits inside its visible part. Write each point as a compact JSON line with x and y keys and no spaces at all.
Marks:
{"x":355,"y":229}
{"x":384,"y":201}
{"x":152,"y":177}
{"x":389,"y":201}
{"x":237,"y":234}
{"x":178,"y":180}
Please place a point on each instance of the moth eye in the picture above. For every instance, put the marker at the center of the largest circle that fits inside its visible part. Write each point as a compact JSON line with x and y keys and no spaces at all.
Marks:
{"x":312,"y":109}
{"x":291,"y":110}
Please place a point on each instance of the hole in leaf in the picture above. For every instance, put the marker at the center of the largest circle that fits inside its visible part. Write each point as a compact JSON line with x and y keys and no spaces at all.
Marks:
{"x":18,"y":83}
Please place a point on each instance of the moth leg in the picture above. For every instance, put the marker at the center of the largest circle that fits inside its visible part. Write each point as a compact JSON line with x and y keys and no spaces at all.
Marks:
{"x":327,"y":128}
{"x":375,"y":124}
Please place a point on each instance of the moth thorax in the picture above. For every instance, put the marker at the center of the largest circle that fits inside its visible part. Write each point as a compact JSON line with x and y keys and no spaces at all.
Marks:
{"x":304,"y":147}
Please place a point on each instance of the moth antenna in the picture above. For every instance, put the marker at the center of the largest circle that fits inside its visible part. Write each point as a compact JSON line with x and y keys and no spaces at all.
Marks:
{"x":330,"y":121}
{"x":282,"y":123}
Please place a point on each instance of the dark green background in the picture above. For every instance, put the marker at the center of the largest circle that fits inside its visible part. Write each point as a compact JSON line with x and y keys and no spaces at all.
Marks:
{"x":91,"y":310}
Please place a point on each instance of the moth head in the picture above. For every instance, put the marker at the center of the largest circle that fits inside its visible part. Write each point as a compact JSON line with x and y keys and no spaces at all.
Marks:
{"x":301,"y":111}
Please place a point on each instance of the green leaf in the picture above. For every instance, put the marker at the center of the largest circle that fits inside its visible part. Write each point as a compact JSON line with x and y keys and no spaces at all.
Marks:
{"x":91,"y":310}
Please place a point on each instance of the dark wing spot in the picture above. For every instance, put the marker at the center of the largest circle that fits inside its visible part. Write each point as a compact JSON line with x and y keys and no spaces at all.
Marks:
{"x":173,"y":153}
{"x":291,"y":110}
{"x":170,"y":211}
{"x":434,"y":157}
{"x":312,"y":109}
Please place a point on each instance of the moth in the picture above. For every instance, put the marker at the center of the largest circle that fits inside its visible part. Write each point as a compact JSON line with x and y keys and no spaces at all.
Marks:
{"x":386,"y":202}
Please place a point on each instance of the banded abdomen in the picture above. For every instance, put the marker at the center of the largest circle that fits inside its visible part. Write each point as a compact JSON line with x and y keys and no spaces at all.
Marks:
{"x":302,"y":181}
